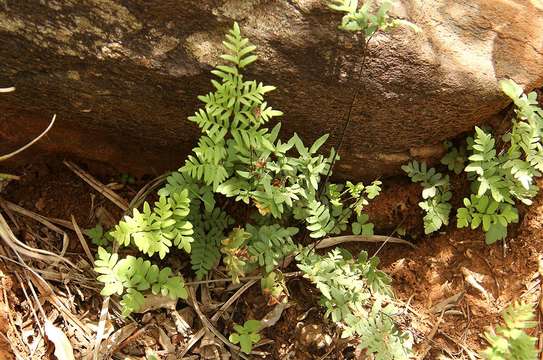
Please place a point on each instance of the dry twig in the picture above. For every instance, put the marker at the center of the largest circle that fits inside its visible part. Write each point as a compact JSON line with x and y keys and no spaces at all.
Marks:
{"x":98,"y":186}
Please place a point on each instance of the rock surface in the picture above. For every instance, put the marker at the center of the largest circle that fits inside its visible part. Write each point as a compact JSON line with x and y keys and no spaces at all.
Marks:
{"x":124,"y":75}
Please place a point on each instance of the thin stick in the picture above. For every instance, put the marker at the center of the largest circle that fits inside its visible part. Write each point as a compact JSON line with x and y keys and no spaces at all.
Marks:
{"x":4,"y":176}
{"x":146,"y":189}
{"x":101,"y":328}
{"x":41,"y":219}
{"x":194,"y":339}
{"x":7,"y":89}
{"x":232,"y":299}
{"x":97,"y":185}
{"x":30,"y":303}
{"x":258,"y":277}
{"x":13,"y":347}
{"x":7,"y":156}
{"x":82,"y":240}
{"x":11,"y":240}
{"x":212,"y":328}
{"x":332,"y":241}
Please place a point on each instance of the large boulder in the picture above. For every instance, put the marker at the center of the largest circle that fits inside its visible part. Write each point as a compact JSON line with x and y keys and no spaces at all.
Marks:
{"x":123,"y":75}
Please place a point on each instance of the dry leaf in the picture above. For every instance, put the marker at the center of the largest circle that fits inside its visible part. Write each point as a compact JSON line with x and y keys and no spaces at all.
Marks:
{"x":155,"y":302}
{"x":63,"y":348}
{"x":274,"y":315}
{"x":165,"y":341}
{"x":118,"y":337}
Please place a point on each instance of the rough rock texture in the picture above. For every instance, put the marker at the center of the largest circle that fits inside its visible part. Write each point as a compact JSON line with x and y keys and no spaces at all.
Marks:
{"x":123,"y":75}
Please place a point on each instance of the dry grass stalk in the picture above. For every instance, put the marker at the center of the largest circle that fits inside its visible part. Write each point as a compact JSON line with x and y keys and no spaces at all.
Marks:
{"x":98,"y":186}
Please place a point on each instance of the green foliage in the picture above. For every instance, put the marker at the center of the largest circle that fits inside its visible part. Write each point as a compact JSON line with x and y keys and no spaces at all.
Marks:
{"x":435,"y":194}
{"x":273,"y":285}
{"x":319,"y":221}
{"x":510,"y":342}
{"x":486,"y":165}
{"x":264,"y":246}
{"x":361,"y":226}
{"x":155,"y":231}
{"x":455,"y":158}
{"x":502,"y":177}
{"x":499,"y":176}
{"x":127,"y":179}
{"x":247,"y":335}
{"x":494,"y":216}
{"x":270,"y":244}
{"x":275,"y":183}
{"x":349,"y":287}
{"x":236,"y":257}
{"x":98,"y":236}
{"x":365,"y":18}
{"x":132,"y":275}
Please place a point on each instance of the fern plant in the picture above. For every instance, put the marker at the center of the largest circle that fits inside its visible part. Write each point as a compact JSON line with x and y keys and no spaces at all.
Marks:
{"x":355,"y":293}
{"x":277,"y":184}
{"x":155,"y":231}
{"x":365,"y":18}
{"x":511,"y":342}
{"x":502,"y":176}
{"x":98,"y":236}
{"x":435,"y":194}
{"x":492,"y":215}
{"x":455,"y":157}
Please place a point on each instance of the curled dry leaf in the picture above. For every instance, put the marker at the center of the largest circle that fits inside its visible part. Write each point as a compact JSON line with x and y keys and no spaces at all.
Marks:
{"x":63,"y":347}
{"x":448,"y":303}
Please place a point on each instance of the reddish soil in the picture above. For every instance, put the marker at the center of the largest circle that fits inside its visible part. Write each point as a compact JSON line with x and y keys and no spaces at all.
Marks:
{"x":422,"y":277}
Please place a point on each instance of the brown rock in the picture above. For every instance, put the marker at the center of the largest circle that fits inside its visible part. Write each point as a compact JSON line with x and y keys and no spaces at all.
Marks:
{"x":124,"y":75}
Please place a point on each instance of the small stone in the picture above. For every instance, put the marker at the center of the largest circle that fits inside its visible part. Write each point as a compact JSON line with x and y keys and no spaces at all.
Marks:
{"x":312,"y":335}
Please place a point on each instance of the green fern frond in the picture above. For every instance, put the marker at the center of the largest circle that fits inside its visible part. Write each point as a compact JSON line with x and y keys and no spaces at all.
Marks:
{"x":319,"y":221}
{"x":270,"y":244}
{"x":366,"y":19}
{"x":511,"y":341}
{"x":120,"y":276}
{"x":486,"y":211}
{"x":353,"y":291}
{"x":155,"y":231}
{"x":435,"y":194}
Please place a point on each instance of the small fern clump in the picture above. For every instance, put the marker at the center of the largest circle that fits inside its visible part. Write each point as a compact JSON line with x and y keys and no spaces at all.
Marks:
{"x":511,"y":341}
{"x":357,"y":295}
{"x":365,"y":18}
{"x":502,"y":176}
{"x":455,"y":158}
{"x":499,"y":176}
{"x":435,"y":194}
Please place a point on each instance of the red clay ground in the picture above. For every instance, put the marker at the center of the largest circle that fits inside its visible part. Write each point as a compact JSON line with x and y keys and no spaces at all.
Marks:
{"x":439,"y":268}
